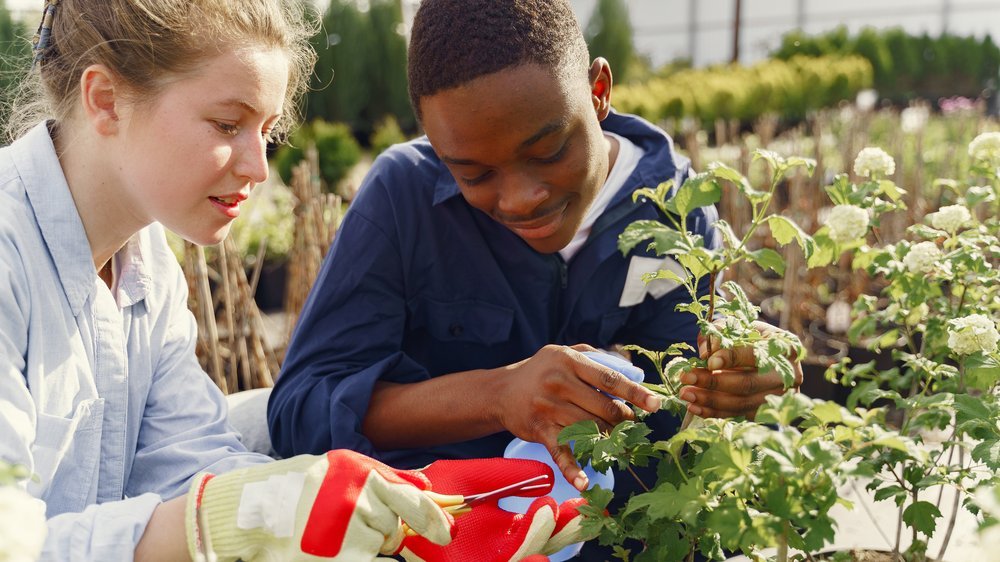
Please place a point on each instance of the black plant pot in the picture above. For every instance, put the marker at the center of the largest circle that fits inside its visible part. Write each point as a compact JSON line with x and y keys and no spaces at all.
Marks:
{"x":825,"y":350}
{"x":270,"y":295}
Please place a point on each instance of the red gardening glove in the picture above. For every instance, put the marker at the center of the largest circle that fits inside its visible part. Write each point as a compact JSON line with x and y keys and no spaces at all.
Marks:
{"x":341,"y":506}
{"x":489,"y":533}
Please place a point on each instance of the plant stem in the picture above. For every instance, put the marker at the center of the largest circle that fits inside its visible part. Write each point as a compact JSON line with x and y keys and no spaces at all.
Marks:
{"x":782,"y":554}
{"x":637,"y":479}
{"x":899,"y":534}
{"x":954,"y":511}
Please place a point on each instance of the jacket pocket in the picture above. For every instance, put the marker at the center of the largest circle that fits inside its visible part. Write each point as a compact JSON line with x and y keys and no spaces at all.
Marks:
{"x":66,"y":453}
{"x":465,"y":321}
{"x":610,"y":324}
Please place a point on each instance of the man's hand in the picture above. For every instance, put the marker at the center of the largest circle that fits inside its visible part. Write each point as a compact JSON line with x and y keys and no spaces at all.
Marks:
{"x":731,"y":386}
{"x":558,"y":387}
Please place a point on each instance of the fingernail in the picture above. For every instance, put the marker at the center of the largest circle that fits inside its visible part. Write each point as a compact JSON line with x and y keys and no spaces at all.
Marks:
{"x":696,"y":410}
{"x":580,"y":482}
{"x":688,"y":397}
{"x":689,"y":378}
{"x":715,"y":363}
{"x":652,"y":403}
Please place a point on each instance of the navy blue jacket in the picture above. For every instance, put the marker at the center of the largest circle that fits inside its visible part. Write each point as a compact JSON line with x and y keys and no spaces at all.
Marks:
{"x":420,"y":284}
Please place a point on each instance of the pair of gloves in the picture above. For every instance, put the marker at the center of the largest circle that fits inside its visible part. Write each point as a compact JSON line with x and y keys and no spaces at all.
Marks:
{"x":345,"y":506}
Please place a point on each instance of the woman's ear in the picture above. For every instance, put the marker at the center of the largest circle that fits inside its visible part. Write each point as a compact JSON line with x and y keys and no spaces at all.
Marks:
{"x":600,"y":87}
{"x":100,"y":97}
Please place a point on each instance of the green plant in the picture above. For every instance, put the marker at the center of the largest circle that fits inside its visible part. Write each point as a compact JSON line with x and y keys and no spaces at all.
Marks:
{"x":337,"y":149}
{"x":937,"y":319}
{"x":739,"y":485}
{"x":609,"y":35}
{"x":387,"y":133}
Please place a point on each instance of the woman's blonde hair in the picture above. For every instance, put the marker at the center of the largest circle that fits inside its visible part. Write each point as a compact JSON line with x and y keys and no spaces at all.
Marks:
{"x":146,"y":43}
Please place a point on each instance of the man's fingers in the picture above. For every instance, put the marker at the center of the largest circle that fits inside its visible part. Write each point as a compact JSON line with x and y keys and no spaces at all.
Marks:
{"x":740,"y":383}
{"x":616,"y":384}
{"x":563,"y":457}
{"x":717,"y":405}
{"x":736,"y":358}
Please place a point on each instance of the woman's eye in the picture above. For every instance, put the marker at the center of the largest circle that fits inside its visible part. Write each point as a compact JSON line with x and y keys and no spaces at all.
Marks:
{"x":227,"y":128}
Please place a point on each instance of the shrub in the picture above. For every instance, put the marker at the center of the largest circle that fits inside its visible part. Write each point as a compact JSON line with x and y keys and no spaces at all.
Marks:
{"x":337,"y":149}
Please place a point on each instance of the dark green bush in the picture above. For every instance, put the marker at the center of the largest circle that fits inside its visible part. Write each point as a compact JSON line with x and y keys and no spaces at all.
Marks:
{"x":908,"y":66}
{"x":337,"y":149}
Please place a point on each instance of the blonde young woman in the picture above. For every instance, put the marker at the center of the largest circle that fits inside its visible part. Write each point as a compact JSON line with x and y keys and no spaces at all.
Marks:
{"x":153,"y":114}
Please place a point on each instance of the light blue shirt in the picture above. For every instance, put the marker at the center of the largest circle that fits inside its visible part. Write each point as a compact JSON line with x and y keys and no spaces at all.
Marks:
{"x":101,"y":395}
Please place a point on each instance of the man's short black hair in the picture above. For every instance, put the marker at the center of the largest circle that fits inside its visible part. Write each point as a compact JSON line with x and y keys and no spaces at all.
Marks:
{"x":455,"y":41}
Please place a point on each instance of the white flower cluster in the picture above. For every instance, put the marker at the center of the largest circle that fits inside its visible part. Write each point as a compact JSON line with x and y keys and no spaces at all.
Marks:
{"x":22,"y":525}
{"x":972,"y":334}
{"x":986,"y":148}
{"x":950,"y":218}
{"x":874,"y":162}
{"x":847,"y":223}
{"x":922,"y":257}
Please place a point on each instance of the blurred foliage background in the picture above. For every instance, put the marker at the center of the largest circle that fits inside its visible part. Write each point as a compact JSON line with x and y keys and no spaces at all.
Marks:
{"x":825,"y":96}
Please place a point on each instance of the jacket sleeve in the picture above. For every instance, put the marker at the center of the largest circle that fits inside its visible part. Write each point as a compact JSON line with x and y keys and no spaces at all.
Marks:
{"x":349,"y":335}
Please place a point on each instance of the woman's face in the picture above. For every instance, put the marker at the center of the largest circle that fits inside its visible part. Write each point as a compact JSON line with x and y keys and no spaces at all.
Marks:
{"x":188,"y":158}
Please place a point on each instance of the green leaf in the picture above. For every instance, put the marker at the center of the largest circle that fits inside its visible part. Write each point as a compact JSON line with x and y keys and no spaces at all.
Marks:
{"x":982,"y":371}
{"x":729,"y":238}
{"x":826,"y":249}
{"x":890,"y":189}
{"x":828,"y":412}
{"x":785,"y":230}
{"x":767,"y":258}
{"x":921,"y":516}
{"x":893,"y":492}
{"x":665,"y":239}
{"x":988,"y":452}
{"x":698,"y":191}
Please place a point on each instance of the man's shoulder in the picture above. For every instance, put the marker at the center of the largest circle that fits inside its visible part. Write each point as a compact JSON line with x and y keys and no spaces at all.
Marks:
{"x":414,"y":161}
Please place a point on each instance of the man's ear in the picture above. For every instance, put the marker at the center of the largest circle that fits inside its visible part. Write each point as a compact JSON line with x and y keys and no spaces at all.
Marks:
{"x":100,"y":97}
{"x":600,"y":87}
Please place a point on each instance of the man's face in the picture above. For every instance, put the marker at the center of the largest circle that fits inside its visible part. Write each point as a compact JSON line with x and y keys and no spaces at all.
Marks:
{"x":526,"y":147}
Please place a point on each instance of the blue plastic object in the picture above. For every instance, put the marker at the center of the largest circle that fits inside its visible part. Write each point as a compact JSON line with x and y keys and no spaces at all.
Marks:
{"x":563,"y":490}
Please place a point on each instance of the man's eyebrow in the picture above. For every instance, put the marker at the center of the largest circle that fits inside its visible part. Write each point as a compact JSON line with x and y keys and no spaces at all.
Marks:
{"x":539,"y":135}
{"x":543,"y":132}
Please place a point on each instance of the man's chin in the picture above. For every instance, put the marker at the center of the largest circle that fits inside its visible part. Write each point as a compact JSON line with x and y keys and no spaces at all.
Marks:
{"x":548,"y":245}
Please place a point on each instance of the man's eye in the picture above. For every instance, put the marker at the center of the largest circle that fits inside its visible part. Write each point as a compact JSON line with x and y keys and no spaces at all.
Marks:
{"x":555,"y":157}
{"x":476,"y":180}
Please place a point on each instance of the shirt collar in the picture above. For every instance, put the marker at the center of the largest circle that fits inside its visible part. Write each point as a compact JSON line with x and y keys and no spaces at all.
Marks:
{"x":35,"y":158}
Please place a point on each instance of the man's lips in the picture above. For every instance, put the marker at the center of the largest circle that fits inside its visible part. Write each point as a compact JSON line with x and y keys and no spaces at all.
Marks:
{"x":541,"y":227}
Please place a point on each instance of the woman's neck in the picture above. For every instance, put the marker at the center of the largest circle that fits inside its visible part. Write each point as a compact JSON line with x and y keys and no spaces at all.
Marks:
{"x":87,"y":164}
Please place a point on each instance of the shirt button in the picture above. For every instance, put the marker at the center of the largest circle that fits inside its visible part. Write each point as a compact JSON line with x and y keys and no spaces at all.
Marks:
{"x":456,"y":330}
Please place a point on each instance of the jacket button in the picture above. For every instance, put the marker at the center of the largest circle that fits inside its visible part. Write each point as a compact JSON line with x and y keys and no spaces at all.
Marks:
{"x":456,"y":330}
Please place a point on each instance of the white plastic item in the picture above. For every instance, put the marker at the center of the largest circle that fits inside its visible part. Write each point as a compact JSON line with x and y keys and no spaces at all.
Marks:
{"x":563,"y":490}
